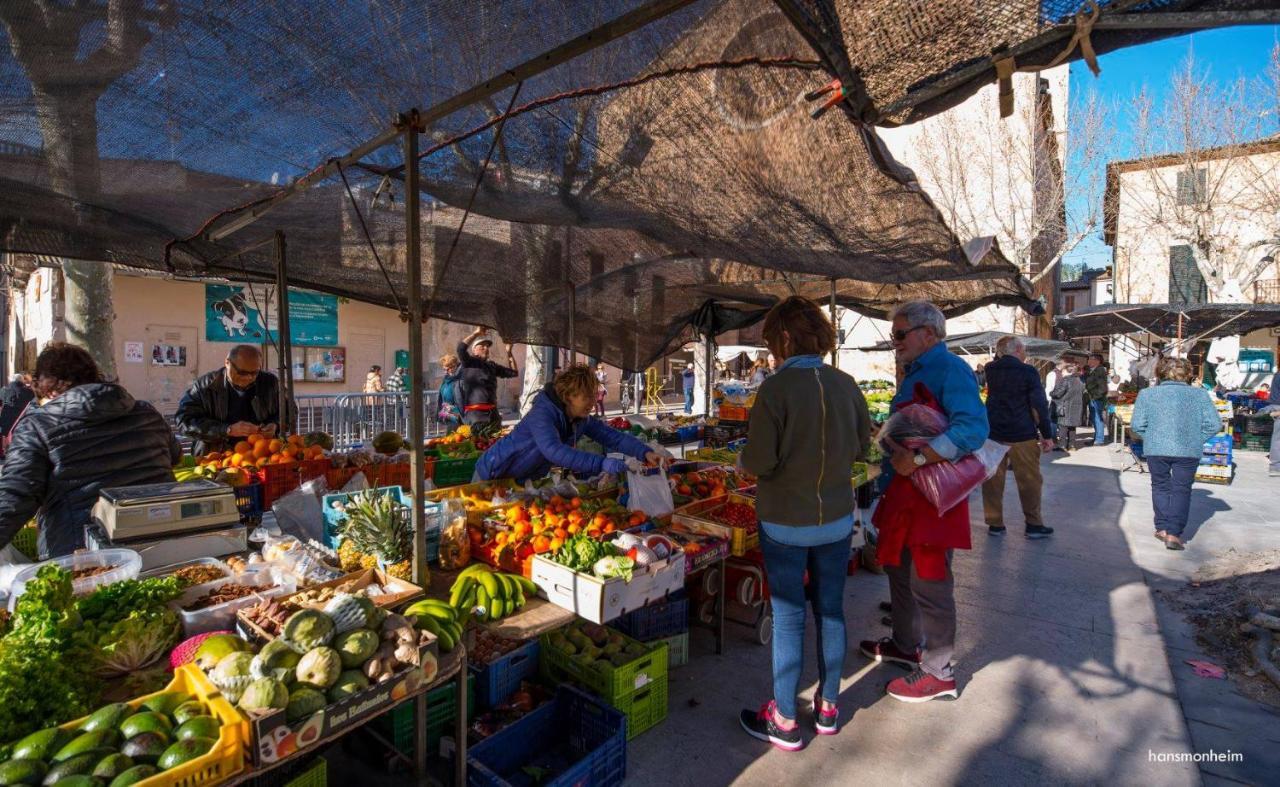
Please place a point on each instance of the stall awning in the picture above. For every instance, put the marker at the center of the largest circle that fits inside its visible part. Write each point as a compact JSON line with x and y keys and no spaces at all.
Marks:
{"x":984,"y":343}
{"x":1170,"y":321}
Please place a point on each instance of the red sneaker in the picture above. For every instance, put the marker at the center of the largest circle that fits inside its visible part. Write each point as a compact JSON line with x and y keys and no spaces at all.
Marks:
{"x":920,"y":686}
{"x":883,"y":649}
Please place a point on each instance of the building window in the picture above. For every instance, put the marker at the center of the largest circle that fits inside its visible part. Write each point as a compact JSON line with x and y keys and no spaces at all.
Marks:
{"x":1192,"y":186}
{"x":1069,"y":303}
{"x":1186,"y":283}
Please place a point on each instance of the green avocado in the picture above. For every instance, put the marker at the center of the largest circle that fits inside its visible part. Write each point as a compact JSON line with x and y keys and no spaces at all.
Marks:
{"x":145,"y":747}
{"x":89,"y":741}
{"x":187,"y":711}
{"x":108,"y":717}
{"x":149,"y":721}
{"x":78,"y":780}
{"x":165,"y":702}
{"x":79,"y":765}
{"x":184,"y":751}
{"x":198,"y":727}
{"x":22,"y":772}
{"x":112,"y":766}
{"x":39,"y":745}
{"x":134,"y":775}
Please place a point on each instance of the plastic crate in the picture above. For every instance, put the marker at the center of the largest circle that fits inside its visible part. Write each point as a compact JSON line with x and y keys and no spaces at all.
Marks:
{"x":27,"y":541}
{"x":442,"y":712}
{"x":224,"y":760}
{"x":656,"y":621}
{"x":608,"y":682}
{"x":645,"y":708}
{"x":451,"y":472}
{"x":696,"y":516}
{"x":500,"y":679}
{"x":734,"y":412}
{"x":688,"y":434}
{"x":249,"y":500}
{"x":593,"y":737}
{"x":316,"y":775}
{"x":677,"y":650}
{"x":1218,"y":444}
{"x":1207,"y":460}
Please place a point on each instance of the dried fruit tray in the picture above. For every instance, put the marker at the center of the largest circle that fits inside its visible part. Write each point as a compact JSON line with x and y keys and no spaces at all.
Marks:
{"x":698,"y":518}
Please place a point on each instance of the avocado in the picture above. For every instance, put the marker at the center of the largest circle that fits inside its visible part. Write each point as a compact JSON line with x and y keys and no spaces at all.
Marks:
{"x":145,"y":747}
{"x":78,"y":780}
{"x":198,"y":727}
{"x":102,"y":739}
{"x":187,"y":711}
{"x":39,"y":745}
{"x":165,"y":702}
{"x":184,"y":752}
{"x":134,"y":775}
{"x":149,"y":721}
{"x":112,"y":765}
{"x":108,"y":717}
{"x":22,"y":772}
{"x":79,"y":765}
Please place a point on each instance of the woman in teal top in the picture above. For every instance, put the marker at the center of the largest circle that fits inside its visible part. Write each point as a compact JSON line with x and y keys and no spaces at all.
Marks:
{"x":1173,"y":419}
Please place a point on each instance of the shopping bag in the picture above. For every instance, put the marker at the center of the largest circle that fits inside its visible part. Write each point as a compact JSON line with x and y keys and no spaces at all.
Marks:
{"x":649,"y":492}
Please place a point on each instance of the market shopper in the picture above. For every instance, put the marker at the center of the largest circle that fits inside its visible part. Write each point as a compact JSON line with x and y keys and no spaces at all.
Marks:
{"x":477,"y":390}
{"x":396,"y":382}
{"x":687,"y":378}
{"x":1173,"y":419}
{"x":231,"y":403}
{"x":807,"y":428}
{"x":86,"y":436}
{"x":1273,"y":409}
{"x":915,"y":542}
{"x":546,"y":437}
{"x":1095,"y":385}
{"x":760,"y":372}
{"x":373,"y":380}
{"x":1018,"y":415}
{"x":1050,"y":382}
{"x":450,"y":412}
{"x":14,"y":400}
{"x":602,"y":377}
{"x":1070,"y":405}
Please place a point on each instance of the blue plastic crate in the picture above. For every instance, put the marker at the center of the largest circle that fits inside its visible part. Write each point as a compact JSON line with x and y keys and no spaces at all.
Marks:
{"x":1218,"y":444}
{"x":500,"y":679}
{"x":249,"y":500}
{"x":333,"y":518}
{"x":578,"y":736}
{"x":688,"y":434}
{"x":658,"y":620}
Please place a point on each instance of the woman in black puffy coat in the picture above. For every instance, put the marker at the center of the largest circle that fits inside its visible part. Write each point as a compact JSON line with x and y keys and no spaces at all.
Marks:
{"x":86,"y":436}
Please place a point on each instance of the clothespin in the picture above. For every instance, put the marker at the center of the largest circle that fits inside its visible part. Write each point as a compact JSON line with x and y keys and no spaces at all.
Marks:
{"x":833,"y":87}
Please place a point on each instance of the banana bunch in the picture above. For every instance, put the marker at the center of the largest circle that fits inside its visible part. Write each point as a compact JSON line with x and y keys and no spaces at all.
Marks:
{"x":493,"y":595}
{"x":442,"y":620}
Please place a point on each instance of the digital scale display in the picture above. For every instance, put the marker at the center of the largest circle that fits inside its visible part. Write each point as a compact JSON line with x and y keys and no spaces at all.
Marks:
{"x":198,"y":508}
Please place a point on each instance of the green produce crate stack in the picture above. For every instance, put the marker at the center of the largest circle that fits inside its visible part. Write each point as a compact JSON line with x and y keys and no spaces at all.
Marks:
{"x":442,"y":714}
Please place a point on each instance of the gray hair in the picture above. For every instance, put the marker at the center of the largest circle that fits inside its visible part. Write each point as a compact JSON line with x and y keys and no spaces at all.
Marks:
{"x":1009,"y":345}
{"x":244,"y":351}
{"x":922,"y":314}
{"x":17,"y":378}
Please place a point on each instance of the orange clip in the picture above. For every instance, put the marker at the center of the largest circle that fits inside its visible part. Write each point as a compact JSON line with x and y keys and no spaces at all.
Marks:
{"x":835,"y":88}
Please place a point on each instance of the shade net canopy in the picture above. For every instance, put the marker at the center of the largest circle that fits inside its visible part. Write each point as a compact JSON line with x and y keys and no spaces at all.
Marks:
{"x":675,"y":164}
{"x":984,"y":343}
{"x":1170,"y":321}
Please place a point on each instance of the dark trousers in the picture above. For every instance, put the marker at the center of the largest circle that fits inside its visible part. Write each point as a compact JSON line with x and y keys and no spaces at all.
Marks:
{"x":1171,"y":478}
{"x":688,"y":401}
{"x":1098,"y":409}
{"x":924,"y":615}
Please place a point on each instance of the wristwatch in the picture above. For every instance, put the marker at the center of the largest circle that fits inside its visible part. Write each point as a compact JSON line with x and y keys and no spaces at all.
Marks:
{"x":919,"y":459}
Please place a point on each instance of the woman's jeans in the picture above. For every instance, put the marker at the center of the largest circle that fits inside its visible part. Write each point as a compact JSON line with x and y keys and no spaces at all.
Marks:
{"x":1171,"y":478}
{"x":828,"y":568}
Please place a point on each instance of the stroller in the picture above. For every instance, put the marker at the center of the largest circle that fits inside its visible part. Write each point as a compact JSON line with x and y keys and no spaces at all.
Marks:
{"x":1133,"y":453}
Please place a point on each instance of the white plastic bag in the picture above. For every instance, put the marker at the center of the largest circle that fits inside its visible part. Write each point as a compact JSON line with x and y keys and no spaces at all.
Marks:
{"x":649,"y":492}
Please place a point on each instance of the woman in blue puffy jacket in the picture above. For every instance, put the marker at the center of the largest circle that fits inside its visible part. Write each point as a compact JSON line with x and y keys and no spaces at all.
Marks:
{"x":545,"y":438}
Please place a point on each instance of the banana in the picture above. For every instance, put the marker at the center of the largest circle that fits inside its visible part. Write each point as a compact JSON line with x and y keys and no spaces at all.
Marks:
{"x":483,"y":599}
{"x":530,"y":589}
{"x":508,"y":585}
{"x":443,"y":613}
{"x":490,"y":584}
{"x":459,"y":590}
{"x":455,"y":632}
{"x":469,"y":599}
{"x":499,"y":609}
{"x":474,"y":569}
{"x":442,"y":631}
{"x":519,"y":597}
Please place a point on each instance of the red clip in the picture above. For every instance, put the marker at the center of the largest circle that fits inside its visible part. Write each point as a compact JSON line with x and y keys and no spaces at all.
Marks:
{"x":834,"y":87}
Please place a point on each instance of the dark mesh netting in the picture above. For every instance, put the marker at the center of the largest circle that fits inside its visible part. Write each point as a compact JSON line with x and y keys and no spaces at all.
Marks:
{"x":624,"y":188}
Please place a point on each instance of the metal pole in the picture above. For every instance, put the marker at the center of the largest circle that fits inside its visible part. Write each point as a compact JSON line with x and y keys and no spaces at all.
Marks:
{"x":711,"y":369}
{"x":284,"y":338}
{"x":573,"y":310}
{"x":410,"y":125}
{"x":835,"y":323}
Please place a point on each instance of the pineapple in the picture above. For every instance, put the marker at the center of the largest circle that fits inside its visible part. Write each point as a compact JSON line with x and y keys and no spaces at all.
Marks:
{"x":378,"y":529}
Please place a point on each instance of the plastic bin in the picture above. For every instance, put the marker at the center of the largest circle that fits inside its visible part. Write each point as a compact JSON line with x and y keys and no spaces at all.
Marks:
{"x":127,"y":564}
{"x":677,"y":650}
{"x":645,"y":708}
{"x":249,"y":500}
{"x":609,"y":682}
{"x":334,"y":517}
{"x":582,"y":739}
{"x":451,"y":472}
{"x":656,"y":621}
{"x":442,"y":712}
{"x":222,"y":616}
{"x":501,"y":678}
{"x":213,"y":562}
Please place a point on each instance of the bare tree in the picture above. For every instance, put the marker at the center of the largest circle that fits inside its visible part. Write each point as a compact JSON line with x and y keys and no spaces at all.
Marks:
{"x":48,"y":40}
{"x":1208,"y":175}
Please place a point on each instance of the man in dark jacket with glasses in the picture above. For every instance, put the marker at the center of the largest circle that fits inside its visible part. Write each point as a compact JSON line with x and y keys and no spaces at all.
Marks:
{"x":229,"y":404}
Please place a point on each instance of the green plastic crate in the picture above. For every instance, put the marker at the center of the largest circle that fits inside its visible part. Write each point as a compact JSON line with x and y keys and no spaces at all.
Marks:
{"x":442,"y":711}
{"x":645,"y":708}
{"x":317,"y":775}
{"x":608,"y":682}
{"x":453,"y":472}
{"x":677,"y":650}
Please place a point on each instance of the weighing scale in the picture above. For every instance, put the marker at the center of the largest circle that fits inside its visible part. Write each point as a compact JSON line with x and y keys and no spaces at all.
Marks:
{"x":159,"y":510}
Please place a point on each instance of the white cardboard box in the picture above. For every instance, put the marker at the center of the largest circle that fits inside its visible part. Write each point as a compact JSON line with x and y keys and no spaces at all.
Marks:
{"x":599,"y":600}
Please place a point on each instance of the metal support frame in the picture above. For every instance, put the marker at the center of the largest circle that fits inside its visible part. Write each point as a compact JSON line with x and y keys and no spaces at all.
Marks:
{"x":571,"y":293}
{"x":1187,"y":20}
{"x":835,"y":323}
{"x":284,"y":338}
{"x":711,"y":370}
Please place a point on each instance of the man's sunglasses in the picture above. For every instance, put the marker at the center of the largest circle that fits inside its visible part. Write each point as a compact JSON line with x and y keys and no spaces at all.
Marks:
{"x":241,"y":372}
{"x":901,"y":335}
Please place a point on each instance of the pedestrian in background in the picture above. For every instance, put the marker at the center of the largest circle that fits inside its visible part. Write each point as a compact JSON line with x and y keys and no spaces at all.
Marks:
{"x":602,"y":377}
{"x":759,"y":372}
{"x":450,"y":412}
{"x":687,"y":378}
{"x":1173,"y":419}
{"x":1051,"y":381}
{"x":395,"y":383}
{"x":1095,"y":386}
{"x":1273,"y":408}
{"x":809,"y":425}
{"x":14,"y":399}
{"x":373,"y":380}
{"x":1018,"y":415}
{"x":477,"y":389}
{"x":1071,"y":406}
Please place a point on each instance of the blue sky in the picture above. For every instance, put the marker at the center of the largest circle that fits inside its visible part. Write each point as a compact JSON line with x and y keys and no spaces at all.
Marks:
{"x":1227,"y":54}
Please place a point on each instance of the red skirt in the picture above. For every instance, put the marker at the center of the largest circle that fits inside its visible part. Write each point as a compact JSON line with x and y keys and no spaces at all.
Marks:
{"x":906,"y":519}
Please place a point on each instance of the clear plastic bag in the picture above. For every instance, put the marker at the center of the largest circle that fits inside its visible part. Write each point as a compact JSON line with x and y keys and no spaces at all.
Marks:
{"x":945,"y":484}
{"x":649,"y":492}
{"x":913,"y":425}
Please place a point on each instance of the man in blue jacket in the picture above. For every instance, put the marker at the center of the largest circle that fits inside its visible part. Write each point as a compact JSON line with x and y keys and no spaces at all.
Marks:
{"x":545,"y":438}
{"x":1019,"y":417}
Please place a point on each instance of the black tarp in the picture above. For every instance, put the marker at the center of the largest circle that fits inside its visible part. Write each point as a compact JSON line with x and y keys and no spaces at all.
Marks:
{"x":984,"y":343}
{"x":1169,"y":321}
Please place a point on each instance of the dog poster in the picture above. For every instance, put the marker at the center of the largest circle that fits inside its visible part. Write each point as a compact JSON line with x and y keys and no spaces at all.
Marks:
{"x":245,"y":314}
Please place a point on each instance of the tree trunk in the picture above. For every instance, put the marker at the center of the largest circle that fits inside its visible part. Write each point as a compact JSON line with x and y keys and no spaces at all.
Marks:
{"x":534,"y":371}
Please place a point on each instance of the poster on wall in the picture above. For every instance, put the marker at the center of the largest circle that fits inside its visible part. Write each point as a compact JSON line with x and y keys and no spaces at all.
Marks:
{"x":244,"y":313}
{"x":168,"y":355}
{"x":326,"y":364}
{"x":133,"y":352}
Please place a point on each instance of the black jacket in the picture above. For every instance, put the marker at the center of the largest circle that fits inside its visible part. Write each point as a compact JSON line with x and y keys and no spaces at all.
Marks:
{"x":13,"y":398}
{"x":63,"y":452}
{"x":1095,"y":383}
{"x":1016,"y":405}
{"x":1069,"y":397}
{"x":478,"y":383}
{"x":202,"y":413}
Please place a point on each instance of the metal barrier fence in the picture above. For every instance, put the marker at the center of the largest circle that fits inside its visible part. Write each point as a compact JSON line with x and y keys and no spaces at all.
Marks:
{"x":359,"y":417}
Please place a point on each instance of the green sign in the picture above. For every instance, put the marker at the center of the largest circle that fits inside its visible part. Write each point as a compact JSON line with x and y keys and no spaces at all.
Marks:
{"x":241,"y":313}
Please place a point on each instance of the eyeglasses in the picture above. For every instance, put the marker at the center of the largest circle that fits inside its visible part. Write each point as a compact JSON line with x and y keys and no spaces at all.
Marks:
{"x":238,"y":372}
{"x":901,"y":335}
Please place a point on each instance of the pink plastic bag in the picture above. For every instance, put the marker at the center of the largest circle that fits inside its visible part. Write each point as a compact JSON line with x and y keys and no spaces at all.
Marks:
{"x":943,"y":484}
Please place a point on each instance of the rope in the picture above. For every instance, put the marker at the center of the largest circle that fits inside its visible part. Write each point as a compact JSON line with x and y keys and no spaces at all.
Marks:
{"x":1007,"y":66}
{"x":369,"y":239}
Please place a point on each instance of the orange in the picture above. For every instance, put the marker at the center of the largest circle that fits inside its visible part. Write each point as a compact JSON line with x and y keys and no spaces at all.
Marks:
{"x":594,"y":532}
{"x":243,"y":447}
{"x":262,"y":461}
{"x":556,"y":543}
{"x":275,"y":446}
{"x":573,"y":529}
{"x":254,"y":438}
{"x":541,"y":544}
{"x":261,"y":450}
{"x":575,"y":503}
{"x":609,"y":528}
{"x":561,"y":533}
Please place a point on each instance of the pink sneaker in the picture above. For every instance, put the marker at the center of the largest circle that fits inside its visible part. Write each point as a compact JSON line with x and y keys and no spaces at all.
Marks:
{"x":826,"y":720}
{"x":920,"y":686}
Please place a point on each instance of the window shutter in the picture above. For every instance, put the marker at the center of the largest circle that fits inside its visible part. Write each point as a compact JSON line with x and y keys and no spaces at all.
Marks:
{"x":1186,"y":284}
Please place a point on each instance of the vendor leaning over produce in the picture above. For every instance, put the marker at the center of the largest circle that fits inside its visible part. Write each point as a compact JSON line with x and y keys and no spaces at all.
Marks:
{"x":477,"y":390}
{"x":86,"y":435}
{"x":545,"y":438}
{"x":229,"y":404}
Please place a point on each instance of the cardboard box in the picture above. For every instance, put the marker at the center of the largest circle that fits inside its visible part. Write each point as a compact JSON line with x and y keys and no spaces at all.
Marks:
{"x":600,"y":600}
{"x":402,"y":593}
